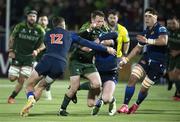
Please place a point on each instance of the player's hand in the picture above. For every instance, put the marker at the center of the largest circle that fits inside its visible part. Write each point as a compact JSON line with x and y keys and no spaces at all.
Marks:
{"x":124,"y":60}
{"x":86,"y":49}
{"x":111,"y":50}
{"x":11,"y":55}
{"x":141,"y":38}
{"x":35,"y":53}
{"x":97,"y":40}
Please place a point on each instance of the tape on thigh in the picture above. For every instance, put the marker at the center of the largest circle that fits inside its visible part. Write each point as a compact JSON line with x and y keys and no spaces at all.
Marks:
{"x":147,"y":83}
{"x":14,"y":71}
{"x":49,"y":80}
{"x":26,"y":71}
{"x":137,"y":71}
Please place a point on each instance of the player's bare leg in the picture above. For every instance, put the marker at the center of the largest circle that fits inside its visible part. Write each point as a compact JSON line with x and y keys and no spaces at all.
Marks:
{"x":39,"y":88}
{"x":107,"y":97}
{"x":31,"y":82}
{"x":136,"y":74}
{"x":18,"y":87}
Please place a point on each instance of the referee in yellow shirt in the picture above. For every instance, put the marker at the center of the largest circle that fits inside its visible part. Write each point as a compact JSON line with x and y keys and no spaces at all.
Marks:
{"x":123,"y":40}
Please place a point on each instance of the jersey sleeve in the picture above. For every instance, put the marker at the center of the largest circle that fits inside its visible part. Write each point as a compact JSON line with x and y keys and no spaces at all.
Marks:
{"x":162,"y":31}
{"x":125,"y":35}
{"x":87,"y":43}
{"x":15,"y":31}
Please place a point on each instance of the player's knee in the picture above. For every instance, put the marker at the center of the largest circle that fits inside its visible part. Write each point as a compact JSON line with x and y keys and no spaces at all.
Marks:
{"x":132,"y":80}
{"x":175,"y":74}
{"x":12,"y":78}
{"x":95,"y":85}
{"x":147,"y":83}
{"x":91,"y":103}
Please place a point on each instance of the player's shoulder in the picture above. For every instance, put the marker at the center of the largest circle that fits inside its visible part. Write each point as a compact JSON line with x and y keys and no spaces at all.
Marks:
{"x":21,"y":24}
{"x":39,"y":28}
{"x":122,"y":28}
{"x":84,"y":27}
{"x":161,"y":28}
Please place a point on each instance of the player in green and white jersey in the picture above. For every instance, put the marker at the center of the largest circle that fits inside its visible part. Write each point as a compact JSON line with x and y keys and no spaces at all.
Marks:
{"x":81,"y":62}
{"x":174,"y":55}
{"x":26,"y":41}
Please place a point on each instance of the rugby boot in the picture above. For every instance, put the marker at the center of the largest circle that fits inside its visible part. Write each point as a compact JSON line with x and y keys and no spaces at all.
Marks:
{"x":11,"y":100}
{"x":62,"y":112}
{"x":112,"y":108}
{"x":133,"y":108}
{"x":123,"y":109}
{"x":30,"y":103}
{"x":97,"y":107}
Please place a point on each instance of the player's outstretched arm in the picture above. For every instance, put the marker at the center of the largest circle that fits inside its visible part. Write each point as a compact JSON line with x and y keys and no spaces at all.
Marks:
{"x":92,"y":45}
{"x":136,"y":50}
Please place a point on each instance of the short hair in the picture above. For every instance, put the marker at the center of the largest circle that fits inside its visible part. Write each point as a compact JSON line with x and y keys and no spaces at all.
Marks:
{"x":97,"y":13}
{"x":113,"y":12}
{"x":31,"y":12}
{"x":57,"y":21}
{"x":43,"y":15}
{"x":152,"y":11}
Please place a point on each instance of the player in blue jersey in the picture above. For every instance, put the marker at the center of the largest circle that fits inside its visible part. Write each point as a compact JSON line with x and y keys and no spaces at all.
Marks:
{"x":152,"y":64}
{"x":107,"y":67}
{"x":52,"y":65}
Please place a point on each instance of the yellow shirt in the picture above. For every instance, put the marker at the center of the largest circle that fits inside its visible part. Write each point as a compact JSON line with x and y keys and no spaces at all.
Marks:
{"x":123,"y":37}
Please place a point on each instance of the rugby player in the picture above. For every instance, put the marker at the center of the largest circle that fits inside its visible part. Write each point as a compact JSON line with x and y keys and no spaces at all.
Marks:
{"x":151,"y":66}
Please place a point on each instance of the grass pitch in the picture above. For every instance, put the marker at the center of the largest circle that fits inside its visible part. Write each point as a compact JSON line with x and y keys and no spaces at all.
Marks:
{"x":158,"y":106}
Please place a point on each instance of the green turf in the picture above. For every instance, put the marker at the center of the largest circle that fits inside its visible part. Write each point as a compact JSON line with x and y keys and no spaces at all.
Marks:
{"x":158,"y":107}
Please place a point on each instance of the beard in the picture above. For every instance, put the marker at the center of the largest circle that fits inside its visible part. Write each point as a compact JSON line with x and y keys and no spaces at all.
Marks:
{"x":31,"y":22}
{"x":112,"y":24}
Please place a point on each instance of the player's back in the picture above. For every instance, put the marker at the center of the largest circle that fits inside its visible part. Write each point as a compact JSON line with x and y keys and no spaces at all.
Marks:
{"x":58,"y":42}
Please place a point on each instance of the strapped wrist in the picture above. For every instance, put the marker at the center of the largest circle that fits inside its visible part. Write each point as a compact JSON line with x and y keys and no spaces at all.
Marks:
{"x":150,"y":41}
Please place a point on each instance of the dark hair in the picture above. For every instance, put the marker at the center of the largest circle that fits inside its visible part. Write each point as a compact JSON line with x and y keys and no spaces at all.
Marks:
{"x":152,"y":11}
{"x":57,"y":21}
{"x":31,"y":12}
{"x":43,"y":15}
{"x":97,"y":13}
{"x":113,"y":12}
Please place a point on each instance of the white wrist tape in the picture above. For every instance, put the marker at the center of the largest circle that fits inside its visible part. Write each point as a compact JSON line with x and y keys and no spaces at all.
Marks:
{"x":150,"y":41}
